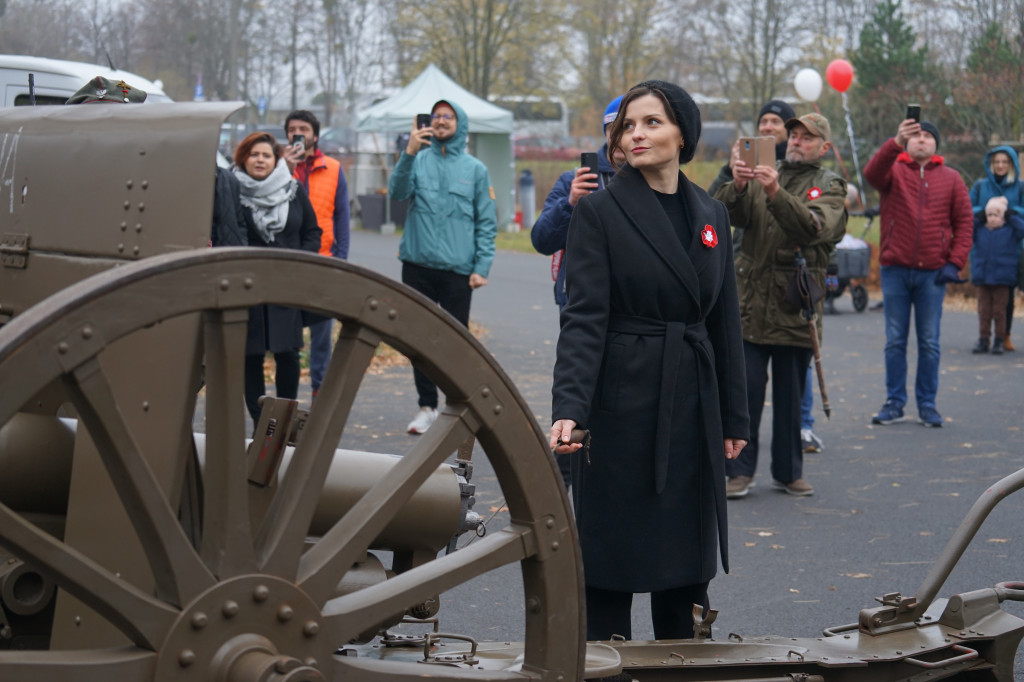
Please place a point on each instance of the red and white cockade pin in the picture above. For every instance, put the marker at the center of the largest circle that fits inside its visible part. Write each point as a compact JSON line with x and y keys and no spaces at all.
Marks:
{"x":708,"y":237}
{"x":813,"y":193}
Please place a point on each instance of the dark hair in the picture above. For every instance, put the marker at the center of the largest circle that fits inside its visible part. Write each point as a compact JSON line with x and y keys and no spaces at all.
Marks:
{"x":244,"y":147}
{"x":679,"y":108}
{"x":303,"y":115}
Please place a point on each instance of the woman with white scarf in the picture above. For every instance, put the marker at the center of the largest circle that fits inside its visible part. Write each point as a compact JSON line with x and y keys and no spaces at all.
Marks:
{"x":278,"y":215}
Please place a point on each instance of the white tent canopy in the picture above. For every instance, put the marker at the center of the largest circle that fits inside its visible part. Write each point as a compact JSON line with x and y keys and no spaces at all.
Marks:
{"x":490,"y":127}
{"x":397,"y":113}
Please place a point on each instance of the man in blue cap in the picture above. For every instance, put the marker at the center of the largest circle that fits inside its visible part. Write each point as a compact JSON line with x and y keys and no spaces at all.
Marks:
{"x":552,"y":226}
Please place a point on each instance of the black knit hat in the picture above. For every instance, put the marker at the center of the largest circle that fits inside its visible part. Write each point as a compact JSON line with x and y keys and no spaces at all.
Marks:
{"x":930,"y":128}
{"x":777,"y":107}
{"x":684,"y":111}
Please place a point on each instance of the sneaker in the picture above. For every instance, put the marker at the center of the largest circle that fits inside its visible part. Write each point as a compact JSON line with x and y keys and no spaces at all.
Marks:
{"x":889,"y":414}
{"x":799,"y":487}
{"x":738,"y":486}
{"x":930,"y":417}
{"x":422,"y":421}
{"x":810,"y":442}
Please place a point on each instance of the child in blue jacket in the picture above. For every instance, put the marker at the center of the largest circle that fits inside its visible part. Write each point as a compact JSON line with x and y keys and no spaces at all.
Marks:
{"x":994,"y":269}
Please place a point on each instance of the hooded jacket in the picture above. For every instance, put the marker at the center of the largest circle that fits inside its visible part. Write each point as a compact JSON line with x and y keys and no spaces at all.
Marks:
{"x":989,"y":186}
{"x":452,"y":218}
{"x":808,"y":213}
{"x":926,"y":217}
{"x":552,"y":226}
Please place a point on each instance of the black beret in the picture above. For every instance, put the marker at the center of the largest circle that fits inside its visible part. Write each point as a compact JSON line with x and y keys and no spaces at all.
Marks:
{"x":685,"y":112}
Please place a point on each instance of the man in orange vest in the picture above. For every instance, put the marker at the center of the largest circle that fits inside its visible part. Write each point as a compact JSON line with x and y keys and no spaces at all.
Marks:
{"x":324,"y":180}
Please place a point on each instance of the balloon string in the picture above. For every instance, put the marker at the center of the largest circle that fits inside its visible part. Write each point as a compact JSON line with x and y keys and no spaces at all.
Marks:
{"x":853,"y":145}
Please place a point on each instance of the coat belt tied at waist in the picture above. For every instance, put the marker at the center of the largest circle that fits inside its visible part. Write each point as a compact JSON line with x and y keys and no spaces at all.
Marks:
{"x":676,"y":335}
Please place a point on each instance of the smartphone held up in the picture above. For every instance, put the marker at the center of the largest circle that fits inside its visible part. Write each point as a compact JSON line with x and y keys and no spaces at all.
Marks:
{"x":914,"y":112}
{"x":299,"y":144}
{"x":422,"y":121}
{"x":589,"y":160}
{"x":757,"y":151}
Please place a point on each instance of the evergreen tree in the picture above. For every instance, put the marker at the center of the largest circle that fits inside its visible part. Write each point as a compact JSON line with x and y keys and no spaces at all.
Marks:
{"x":892,"y":70}
{"x":989,"y":104}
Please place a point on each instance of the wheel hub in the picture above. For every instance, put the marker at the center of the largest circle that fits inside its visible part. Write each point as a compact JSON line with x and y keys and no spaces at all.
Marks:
{"x":253,"y":628}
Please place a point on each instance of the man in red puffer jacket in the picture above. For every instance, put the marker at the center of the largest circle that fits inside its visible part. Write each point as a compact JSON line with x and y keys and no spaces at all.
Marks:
{"x":926,"y":233}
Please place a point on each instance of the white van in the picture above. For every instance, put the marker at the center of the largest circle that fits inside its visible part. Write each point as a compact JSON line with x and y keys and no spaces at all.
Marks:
{"x":56,"y":80}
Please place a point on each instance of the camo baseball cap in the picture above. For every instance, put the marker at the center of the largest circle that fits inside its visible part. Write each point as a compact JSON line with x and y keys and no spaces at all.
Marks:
{"x":816,"y":124}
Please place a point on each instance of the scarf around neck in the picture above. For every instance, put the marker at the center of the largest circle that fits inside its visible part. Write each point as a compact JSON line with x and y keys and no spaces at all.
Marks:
{"x":268,"y":198}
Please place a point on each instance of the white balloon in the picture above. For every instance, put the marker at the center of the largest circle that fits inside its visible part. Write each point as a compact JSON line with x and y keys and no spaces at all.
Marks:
{"x":808,"y":84}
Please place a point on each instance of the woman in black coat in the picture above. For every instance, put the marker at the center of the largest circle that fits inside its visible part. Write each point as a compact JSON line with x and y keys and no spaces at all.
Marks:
{"x":277,"y":214}
{"x":650,"y":359}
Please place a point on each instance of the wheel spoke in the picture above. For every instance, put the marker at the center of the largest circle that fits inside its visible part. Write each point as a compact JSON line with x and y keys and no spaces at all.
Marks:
{"x":354,"y":613}
{"x":227,"y":546}
{"x":179,"y":572}
{"x":142,"y":618}
{"x":324,"y":564}
{"x":106,"y":664}
{"x":282,"y":537}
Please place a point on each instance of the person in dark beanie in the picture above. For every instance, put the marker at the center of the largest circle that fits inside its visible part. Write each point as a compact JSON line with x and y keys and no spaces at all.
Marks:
{"x":771,"y":122}
{"x":649,"y":360}
{"x":927,"y":231}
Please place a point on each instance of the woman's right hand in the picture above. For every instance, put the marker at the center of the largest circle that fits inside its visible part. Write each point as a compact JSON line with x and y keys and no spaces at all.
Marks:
{"x":559,"y":435}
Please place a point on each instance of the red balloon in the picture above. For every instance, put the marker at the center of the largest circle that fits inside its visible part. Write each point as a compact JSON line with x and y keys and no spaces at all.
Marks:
{"x":839,"y":74}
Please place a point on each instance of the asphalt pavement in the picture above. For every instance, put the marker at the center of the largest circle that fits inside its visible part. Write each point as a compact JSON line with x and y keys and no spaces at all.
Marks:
{"x":887,"y":498}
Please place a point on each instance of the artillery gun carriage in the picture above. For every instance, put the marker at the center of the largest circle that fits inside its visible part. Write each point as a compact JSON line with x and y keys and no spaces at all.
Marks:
{"x":148,"y":537}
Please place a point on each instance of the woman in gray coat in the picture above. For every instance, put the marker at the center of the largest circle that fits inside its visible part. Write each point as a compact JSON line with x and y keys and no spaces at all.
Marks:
{"x":650,"y":360}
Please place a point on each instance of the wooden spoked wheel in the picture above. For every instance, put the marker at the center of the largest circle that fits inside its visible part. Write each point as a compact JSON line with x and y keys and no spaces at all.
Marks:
{"x":255,"y":601}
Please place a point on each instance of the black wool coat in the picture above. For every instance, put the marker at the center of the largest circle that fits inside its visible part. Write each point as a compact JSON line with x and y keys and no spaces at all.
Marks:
{"x":275,"y":328}
{"x":650,"y":359}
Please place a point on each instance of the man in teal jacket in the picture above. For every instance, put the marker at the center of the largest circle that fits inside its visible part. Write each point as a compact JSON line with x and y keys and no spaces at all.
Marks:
{"x":448,"y":239}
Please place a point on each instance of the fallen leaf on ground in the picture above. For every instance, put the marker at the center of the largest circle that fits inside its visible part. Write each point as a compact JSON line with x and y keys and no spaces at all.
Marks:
{"x":794,"y":590}
{"x":998,"y":539}
{"x":857,"y":575}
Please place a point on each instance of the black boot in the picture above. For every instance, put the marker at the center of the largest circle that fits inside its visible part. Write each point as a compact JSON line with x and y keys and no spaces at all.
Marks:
{"x":997,"y":346}
{"x":982,"y":345}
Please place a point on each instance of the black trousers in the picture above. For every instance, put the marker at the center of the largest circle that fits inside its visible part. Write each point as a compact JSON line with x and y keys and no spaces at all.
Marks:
{"x":608,"y":612}
{"x":286,"y":378}
{"x":451,"y":291}
{"x":789,"y":375}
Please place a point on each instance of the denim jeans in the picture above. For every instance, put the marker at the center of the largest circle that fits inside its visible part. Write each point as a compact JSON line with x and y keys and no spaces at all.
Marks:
{"x":903,"y":289}
{"x":807,"y":402}
{"x":789,"y":374}
{"x":319,"y":350}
